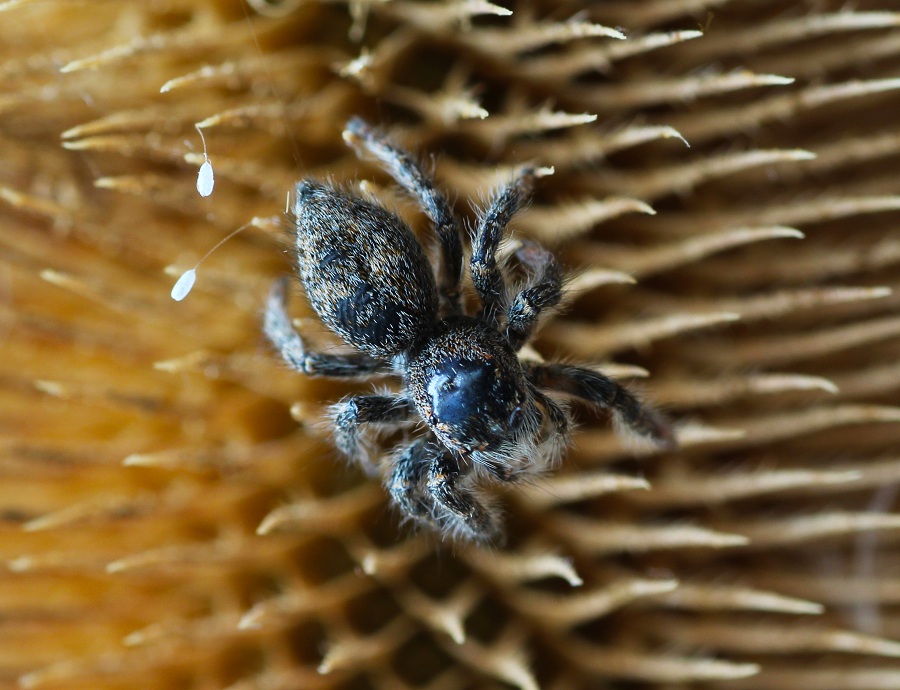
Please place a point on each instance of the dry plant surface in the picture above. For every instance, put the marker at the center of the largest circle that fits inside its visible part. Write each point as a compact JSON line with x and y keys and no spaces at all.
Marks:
{"x":173,"y":516}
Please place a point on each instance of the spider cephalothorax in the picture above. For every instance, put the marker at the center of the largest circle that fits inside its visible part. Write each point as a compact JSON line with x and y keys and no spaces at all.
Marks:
{"x":369,"y":280}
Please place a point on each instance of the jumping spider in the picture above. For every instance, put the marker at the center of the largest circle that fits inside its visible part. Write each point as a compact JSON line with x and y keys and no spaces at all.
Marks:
{"x":369,"y":280}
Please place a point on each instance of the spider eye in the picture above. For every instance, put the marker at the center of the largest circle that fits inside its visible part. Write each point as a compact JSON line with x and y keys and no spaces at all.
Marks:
{"x":455,"y":395}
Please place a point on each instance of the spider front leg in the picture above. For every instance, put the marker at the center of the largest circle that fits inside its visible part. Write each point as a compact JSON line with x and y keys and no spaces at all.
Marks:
{"x":411,"y":177}
{"x":456,"y":506}
{"x":405,"y":482}
{"x":543,"y":291}
{"x":606,"y":393}
{"x":281,"y":333}
{"x":354,"y":411}
{"x":486,"y":275}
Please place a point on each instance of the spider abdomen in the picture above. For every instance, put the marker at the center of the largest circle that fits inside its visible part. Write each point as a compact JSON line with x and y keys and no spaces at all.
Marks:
{"x":363,"y":270}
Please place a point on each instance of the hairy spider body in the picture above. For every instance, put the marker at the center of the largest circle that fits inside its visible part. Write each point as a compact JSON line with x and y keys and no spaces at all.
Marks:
{"x":369,"y":280}
{"x":364,"y":272}
{"x":466,"y":382}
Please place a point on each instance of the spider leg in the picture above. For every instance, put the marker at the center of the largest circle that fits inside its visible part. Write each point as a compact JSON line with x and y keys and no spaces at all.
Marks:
{"x":486,"y":275}
{"x":606,"y":393}
{"x":456,"y":506}
{"x":557,"y":416}
{"x":543,"y":291}
{"x":405,"y":481}
{"x":281,"y":333}
{"x":411,"y":177}
{"x":351,"y":412}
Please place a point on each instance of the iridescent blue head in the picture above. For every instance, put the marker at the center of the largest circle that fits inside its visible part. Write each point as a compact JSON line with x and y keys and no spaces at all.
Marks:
{"x":475,"y":401}
{"x":469,"y":386}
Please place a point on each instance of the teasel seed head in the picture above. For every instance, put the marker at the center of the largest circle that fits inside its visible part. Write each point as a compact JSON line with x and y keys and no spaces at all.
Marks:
{"x":172,"y":512}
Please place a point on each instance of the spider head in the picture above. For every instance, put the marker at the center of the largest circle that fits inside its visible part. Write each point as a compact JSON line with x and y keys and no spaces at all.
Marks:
{"x":469,"y":387}
{"x":475,"y":404}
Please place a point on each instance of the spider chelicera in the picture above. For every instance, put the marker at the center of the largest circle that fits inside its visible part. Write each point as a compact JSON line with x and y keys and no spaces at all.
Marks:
{"x":487,"y":412}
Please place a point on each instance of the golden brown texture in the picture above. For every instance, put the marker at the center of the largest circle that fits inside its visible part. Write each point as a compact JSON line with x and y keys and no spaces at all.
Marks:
{"x":166,"y":523}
